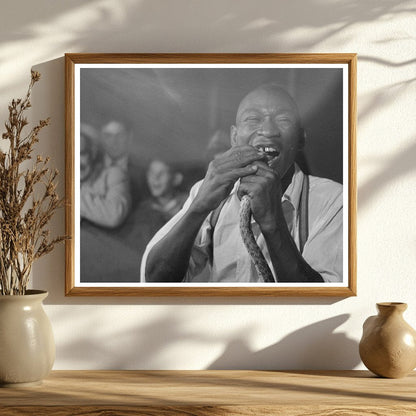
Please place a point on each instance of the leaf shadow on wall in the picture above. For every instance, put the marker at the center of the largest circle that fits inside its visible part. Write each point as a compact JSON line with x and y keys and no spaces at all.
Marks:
{"x":114,"y":347}
{"x":396,"y":167}
{"x":151,"y":345}
{"x":315,"y":346}
{"x":105,"y":26}
{"x":242,"y":26}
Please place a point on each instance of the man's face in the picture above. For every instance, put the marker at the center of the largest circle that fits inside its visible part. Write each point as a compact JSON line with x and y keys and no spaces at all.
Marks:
{"x":114,"y":138}
{"x":268,"y":120}
{"x":160,"y":179}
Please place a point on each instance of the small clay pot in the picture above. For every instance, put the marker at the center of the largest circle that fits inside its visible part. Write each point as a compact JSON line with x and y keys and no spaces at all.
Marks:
{"x":388,"y":345}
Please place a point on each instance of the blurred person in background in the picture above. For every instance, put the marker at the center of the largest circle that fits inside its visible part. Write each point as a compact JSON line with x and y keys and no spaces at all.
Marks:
{"x":164,"y":181}
{"x":105,"y":184}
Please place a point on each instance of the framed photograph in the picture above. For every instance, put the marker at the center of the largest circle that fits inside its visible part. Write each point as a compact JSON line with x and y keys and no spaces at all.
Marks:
{"x":211,"y":174}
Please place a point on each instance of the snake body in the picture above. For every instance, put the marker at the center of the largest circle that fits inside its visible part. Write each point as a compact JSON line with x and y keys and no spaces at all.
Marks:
{"x":253,"y":249}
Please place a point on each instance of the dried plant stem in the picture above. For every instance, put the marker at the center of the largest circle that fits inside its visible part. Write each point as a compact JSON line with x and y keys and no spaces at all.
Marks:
{"x":23,"y":218}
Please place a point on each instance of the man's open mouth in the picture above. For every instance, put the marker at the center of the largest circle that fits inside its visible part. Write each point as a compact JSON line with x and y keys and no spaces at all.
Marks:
{"x":271,"y":152}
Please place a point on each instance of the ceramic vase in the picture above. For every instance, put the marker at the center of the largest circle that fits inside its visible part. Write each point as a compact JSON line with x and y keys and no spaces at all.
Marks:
{"x":27,"y":347}
{"x":388,"y":345}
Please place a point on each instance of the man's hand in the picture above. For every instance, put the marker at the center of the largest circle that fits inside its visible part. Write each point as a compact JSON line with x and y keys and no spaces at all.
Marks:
{"x":223,"y":172}
{"x":265,"y":190}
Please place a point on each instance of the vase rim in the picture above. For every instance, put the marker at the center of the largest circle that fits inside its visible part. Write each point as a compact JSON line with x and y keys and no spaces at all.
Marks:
{"x":32,"y":293}
{"x":401,"y":306}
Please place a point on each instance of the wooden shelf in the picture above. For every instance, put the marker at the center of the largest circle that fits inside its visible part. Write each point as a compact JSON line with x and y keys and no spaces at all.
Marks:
{"x":202,"y":393}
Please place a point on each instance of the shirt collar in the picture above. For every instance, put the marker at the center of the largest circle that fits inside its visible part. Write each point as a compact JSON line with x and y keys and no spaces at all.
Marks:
{"x":121,"y":162}
{"x":294,"y":190}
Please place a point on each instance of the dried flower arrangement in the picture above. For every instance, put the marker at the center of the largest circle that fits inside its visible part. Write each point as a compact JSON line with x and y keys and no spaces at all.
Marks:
{"x":28,"y":199}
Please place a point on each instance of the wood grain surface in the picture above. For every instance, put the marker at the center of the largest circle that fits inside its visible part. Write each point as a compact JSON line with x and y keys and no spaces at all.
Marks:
{"x":213,"y":393}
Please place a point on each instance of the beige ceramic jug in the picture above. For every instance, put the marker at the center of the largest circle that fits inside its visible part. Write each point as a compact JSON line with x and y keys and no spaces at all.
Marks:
{"x":27,"y":347}
{"x":388,"y":345}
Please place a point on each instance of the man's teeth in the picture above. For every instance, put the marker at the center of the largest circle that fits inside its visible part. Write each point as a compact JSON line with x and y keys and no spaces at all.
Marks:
{"x":268,"y":150}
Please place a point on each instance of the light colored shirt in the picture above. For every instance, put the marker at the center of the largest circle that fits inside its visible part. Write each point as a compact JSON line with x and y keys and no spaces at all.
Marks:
{"x":323,"y":250}
{"x":105,"y":194}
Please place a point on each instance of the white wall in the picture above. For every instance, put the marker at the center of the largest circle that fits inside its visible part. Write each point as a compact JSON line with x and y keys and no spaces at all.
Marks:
{"x":199,"y":333}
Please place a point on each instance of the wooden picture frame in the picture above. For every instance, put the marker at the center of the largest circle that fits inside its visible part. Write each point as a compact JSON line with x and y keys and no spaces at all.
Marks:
{"x":155,"y":93}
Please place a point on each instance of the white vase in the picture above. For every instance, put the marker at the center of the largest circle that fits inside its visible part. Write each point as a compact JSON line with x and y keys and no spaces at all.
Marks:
{"x":27,"y":346}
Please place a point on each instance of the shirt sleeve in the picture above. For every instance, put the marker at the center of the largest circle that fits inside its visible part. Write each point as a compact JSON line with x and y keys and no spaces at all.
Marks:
{"x":200,"y":254}
{"x":324,"y":248}
{"x":110,"y":207}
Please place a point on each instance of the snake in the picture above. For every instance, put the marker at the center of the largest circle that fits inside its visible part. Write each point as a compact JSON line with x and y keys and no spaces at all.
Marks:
{"x":257,"y":257}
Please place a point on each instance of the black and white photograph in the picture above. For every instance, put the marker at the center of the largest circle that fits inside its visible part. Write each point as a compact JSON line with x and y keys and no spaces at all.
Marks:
{"x":206,"y":176}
